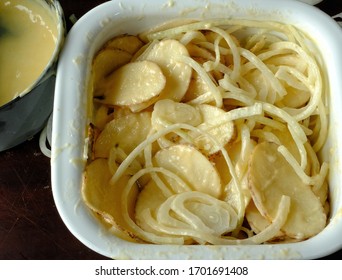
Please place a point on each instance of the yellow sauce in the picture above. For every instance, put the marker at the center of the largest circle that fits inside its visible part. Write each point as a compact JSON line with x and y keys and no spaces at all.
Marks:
{"x":28,"y":35}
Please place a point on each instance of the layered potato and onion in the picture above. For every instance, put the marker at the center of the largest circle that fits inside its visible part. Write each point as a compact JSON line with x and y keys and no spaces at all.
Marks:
{"x":207,"y":132}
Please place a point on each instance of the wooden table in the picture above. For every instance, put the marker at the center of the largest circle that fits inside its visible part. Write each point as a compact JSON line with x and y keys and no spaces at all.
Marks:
{"x":30,"y":226}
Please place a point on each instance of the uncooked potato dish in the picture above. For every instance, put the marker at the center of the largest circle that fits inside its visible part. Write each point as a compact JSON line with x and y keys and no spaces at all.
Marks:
{"x":208,"y":132}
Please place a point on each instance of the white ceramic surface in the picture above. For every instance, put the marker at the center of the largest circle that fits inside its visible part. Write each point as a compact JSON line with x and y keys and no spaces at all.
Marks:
{"x":311,"y":2}
{"x":70,"y":120}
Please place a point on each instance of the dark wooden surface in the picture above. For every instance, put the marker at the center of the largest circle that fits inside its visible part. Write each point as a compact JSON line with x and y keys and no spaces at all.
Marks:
{"x":30,"y":226}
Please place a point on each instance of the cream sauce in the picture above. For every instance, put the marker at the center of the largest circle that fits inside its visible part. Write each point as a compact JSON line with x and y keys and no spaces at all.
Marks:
{"x":28,"y":37}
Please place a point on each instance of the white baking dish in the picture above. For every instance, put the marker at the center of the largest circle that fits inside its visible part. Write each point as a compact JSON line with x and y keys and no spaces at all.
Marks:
{"x":70,"y":121}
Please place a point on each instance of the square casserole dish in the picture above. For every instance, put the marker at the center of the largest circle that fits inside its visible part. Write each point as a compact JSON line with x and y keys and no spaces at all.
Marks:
{"x":70,"y":120}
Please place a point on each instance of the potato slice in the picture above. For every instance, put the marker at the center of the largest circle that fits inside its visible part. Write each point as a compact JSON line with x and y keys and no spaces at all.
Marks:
{"x":127,"y":43}
{"x":296,"y":98}
{"x":169,"y":111}
{"x":286,"y":139}
{"x":178,"y":74}
{"x":104,"y":198}
{"x":92,"y":134}
{"x":230,"y":192}
{"x":257,"y":222}
{"x":117,"y":156}
{"x":103,"y":115}
{"x":192,"y":167}
{"x":288,"y":142}
{"x":125,"y":132}
{"x":134,"y":83}
{"x":151,"y":197}
{"x":105,"y":62}
{"x":271,"y":177}
{"x":213,"y":124}
{"x":196,"y":88}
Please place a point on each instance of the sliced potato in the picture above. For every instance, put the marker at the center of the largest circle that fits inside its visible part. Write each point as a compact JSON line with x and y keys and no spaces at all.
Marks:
{"x":271,"y":177}
{"x":105,"y":62}
{"x":92,"y":134}
{"x":125,"y":132}
{"x":235,"y":197}
{"x":192,"y":167}
{"x":103,"y":115}
{"x":117,"y":156}
{"x":196,"y":88}
{"x":295,"y":98}
{"x":104,"y":198}
{"x":322,"y":192}
{"x":127,"y":43}
{"x":120,"y":112}
{"x":151,"y":197}
{"x":166,"y":54}
{"x":286,"y":139}
{"x":257,"y":80}
{"x":209,"y":119}
{"x":169,"y":111}
{"x":214,"y":125}
{"x":134,"y":83}
{"x":234,"y":151}
{"x":230,"y":192}
{"x":256,"y":221}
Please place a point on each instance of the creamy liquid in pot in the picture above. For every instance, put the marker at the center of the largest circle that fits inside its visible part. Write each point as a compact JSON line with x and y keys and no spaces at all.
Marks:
{"x":28,"y":37}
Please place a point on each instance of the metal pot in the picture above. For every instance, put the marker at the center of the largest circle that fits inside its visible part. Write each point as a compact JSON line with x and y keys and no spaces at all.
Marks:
{"x":26,"y":115}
